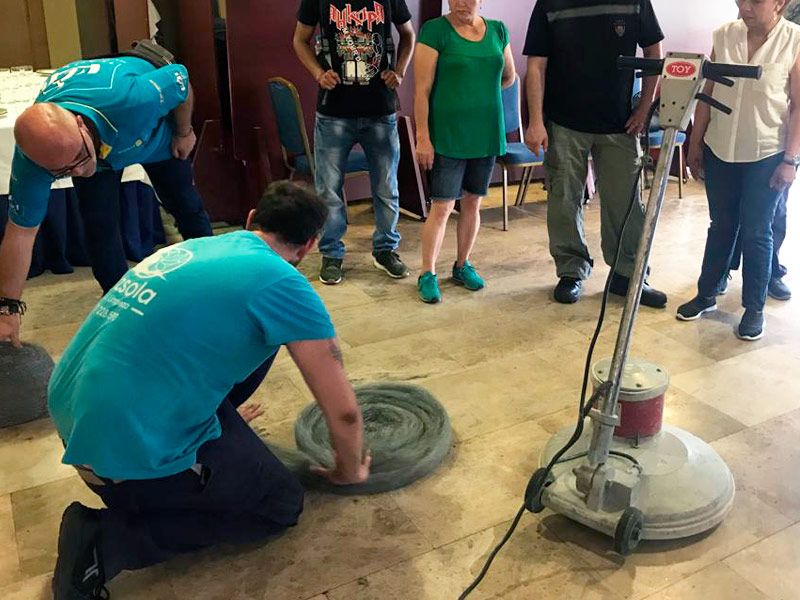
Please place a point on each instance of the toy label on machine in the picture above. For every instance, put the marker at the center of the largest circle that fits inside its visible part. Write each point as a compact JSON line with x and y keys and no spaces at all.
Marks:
{"x":682,"y":68}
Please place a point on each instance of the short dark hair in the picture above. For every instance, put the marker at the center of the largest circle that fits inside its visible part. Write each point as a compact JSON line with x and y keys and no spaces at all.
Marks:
{"x":292,"y":211}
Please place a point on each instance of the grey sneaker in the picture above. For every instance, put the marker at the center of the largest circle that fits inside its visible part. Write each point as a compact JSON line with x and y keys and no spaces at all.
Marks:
{"x":723,"y":288}
{"x":779,"y":290}
{"x":694,"y":308}
{"x":331,"y":272}
{"x":751,"y":327}
{"x":389,"y":261}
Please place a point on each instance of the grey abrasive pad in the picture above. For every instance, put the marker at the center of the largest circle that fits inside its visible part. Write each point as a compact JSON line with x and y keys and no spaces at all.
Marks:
{"x":24,"y":375}
{"x":405,"y":428}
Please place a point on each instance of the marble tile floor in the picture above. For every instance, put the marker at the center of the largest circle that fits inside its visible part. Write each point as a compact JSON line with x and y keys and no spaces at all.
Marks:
{"x":507,"y":364}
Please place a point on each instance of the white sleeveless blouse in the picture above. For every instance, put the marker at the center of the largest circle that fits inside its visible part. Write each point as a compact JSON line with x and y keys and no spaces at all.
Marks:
{"x":757,"y":127}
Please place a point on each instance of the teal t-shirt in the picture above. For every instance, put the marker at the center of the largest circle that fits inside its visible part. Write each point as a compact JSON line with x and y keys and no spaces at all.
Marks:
{"x":127,"y":99}
{"x":136,"y":390}
{"x":466,"y":104}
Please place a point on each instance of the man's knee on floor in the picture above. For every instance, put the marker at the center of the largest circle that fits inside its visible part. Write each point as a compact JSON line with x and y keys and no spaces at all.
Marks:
{"x":281,"y":508}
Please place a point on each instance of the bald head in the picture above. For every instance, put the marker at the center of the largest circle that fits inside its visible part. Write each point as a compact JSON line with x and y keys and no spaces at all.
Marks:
{"x":49,"y":135}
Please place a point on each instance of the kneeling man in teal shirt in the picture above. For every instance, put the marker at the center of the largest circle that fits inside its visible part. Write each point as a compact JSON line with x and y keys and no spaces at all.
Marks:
{"x":145,"y":397}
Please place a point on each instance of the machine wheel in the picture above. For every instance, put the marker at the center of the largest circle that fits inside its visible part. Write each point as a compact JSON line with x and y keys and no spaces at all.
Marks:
{"x":629,"y":531}
{"x":533,"y":493}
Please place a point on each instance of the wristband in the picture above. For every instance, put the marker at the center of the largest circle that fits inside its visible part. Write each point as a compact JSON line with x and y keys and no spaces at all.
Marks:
{"x":10,"y":306}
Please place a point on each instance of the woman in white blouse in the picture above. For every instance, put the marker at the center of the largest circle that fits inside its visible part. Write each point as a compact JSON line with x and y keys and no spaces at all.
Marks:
{"x":749,"y":157}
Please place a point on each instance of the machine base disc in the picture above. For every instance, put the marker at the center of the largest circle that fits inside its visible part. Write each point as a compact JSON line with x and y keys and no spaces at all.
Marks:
{"x":685,"y":487}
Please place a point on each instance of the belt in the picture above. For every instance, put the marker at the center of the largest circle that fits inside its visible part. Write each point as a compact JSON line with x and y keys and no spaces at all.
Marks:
{"x":92,"y":478}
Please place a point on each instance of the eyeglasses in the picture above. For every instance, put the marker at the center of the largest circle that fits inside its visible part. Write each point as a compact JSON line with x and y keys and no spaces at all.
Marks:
{"x":63,"y":172}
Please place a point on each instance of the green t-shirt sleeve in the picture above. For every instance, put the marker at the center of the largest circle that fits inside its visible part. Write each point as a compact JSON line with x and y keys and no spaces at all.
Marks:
{"x":505,"y":37}
{"x":431,"y":34}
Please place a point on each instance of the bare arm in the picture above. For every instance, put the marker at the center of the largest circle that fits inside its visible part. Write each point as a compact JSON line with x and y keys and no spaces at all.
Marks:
{"x":785,"y":174}
{"x":184,"y":139}
{"x":394,"y":78}
{"x":302,"y":48}
{"x":702,"y":117}
{"x":15,"y":262}
{"x":183,"y":114}
{"x":405,"y":49}
{"x":636,"y":122}
{"x":650,"y":84}
{"x":425,"y":62}
{"x":509,"y":68}
{"x":536,"y":136}
{"x":793,"y":135}
{"x":320,"y":362}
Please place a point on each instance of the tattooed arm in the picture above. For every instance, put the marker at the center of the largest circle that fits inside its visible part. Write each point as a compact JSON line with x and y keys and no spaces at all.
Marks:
{"x":320,"y":362}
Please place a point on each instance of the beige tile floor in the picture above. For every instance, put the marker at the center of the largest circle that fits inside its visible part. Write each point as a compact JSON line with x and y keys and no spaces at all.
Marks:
{"x":506,"y":362}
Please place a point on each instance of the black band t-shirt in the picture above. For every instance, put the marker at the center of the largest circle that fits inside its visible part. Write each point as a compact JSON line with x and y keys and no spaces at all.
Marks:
{"x":356,"y":42}
{"x":582,"y":39}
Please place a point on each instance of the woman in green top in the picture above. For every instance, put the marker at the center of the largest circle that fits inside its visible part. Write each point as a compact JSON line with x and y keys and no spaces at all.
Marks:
{"x":462,"y":63}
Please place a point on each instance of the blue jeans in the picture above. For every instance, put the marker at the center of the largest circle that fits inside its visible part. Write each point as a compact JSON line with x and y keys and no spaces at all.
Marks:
{"x":334,"y":138}
{"x":741,"y":204}
{"x":98,"y":198}
{"x":778,"y":237}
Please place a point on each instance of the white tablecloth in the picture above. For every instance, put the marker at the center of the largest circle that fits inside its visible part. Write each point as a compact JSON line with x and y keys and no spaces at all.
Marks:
{"x":132,"y":173}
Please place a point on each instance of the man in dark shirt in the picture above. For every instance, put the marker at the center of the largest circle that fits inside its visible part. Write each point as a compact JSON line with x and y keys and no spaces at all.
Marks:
{"x":580,"y":104}
{"x":358,"y":72}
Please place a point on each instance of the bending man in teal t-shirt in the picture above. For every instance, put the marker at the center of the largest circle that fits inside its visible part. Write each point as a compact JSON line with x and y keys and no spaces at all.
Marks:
{"x":145,"y":397}
{"x":92,"y":119}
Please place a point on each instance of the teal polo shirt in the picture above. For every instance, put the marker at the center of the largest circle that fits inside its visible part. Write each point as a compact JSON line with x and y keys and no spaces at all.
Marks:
{"x":127,"y":99}
{"x":136,"y":391}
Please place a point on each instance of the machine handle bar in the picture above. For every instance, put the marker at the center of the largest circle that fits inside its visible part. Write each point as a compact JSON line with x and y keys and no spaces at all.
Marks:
{"x":711,"y":70}
{"x":648,"y":66}
{"x":718,"y":71}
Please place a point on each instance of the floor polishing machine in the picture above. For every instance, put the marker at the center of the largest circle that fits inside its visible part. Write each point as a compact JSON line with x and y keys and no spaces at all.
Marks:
{"x":627,"y":475}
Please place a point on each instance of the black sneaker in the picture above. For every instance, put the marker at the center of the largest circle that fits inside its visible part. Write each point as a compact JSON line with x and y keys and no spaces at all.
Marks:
{"x":389,"y":261}
{"x":568,"y":290}
{"x":331,"y":272}
{"x":694,"y":308}
{"x":779,"y":290}
{"x":751,"y":327}
{"x":79,"y":573}
{"x":650,"y":296}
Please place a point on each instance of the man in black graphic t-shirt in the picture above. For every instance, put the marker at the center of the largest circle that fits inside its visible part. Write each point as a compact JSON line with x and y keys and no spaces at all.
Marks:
{"x":358,"y":71}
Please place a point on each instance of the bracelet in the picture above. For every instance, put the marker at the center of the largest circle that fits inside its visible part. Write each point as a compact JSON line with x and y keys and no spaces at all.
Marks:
{"x":185,"y":135}
{"x":11,"y":306}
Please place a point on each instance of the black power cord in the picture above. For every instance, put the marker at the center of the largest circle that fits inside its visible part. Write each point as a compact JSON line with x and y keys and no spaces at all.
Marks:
{"x":584,"y":407}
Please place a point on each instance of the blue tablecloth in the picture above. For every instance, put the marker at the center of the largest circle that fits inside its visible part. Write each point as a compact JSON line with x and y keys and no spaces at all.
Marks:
{"x":60,"y":245}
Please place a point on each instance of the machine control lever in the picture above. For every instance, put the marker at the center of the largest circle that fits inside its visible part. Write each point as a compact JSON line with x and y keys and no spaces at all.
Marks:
{"x":714,"y":102}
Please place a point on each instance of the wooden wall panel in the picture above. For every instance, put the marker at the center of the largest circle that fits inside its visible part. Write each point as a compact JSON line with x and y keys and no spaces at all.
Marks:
{"x":38,"y":32}
{"x":15,"y":37}
{"x":197,"y":53}
{"x":131,"y":22}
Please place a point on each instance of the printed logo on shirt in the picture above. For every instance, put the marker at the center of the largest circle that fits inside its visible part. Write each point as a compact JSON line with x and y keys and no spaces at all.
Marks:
{"x":180,"y":81}
{"x":357,"y":44}
{"x":162,"y":262}
{"x":132,"y":293}
{"x":619,"y":27}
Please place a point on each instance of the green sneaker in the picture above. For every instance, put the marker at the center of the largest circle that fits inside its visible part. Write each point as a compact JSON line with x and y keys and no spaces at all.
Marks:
{"x":468,"y":277}
{"x":428,"y":288}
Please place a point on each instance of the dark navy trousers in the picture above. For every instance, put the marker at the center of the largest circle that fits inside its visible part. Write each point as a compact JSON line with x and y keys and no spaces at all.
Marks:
{"x":98,"y":198}
{"x":238,"y":493}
